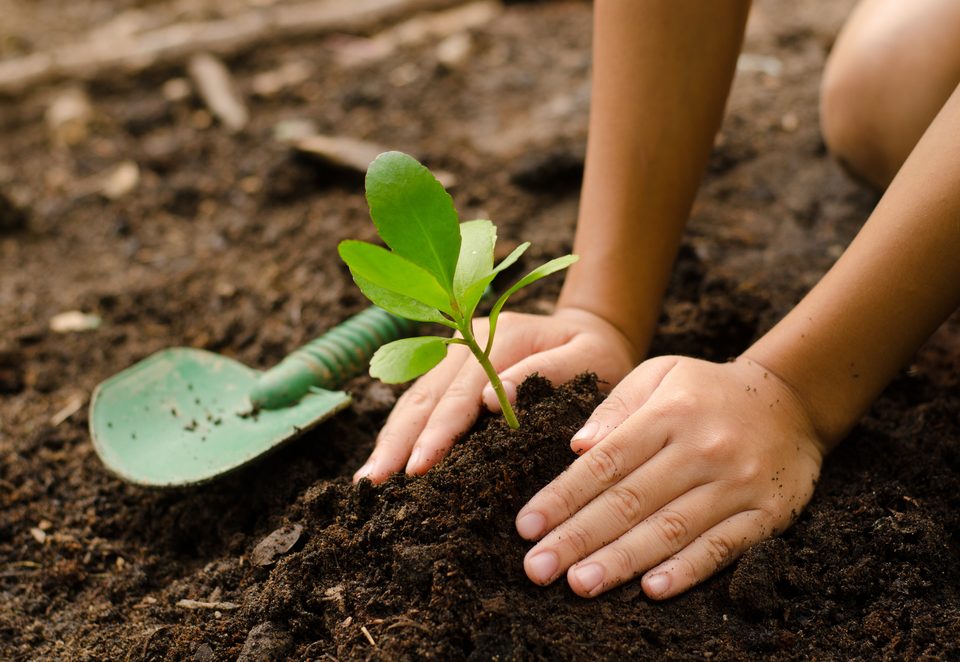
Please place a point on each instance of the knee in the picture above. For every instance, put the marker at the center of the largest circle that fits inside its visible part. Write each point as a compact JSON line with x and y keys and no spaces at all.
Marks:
{"x":891,"y":70}
{"x":850,"y":117}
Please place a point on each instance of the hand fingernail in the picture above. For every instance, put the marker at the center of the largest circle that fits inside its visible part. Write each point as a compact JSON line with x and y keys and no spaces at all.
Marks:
{"x":657,"y":584}
{"x":590,"y":577}
{"x":587,"y":432}
{"x":510,"y":389}
{"x":413,"y":465}
{"x":363,"y":471}
{"x":531,"y":525}
{"x":542,"y":567}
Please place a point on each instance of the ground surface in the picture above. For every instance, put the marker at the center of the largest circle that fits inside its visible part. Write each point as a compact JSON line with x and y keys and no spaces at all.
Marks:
{"x":227,"y":243}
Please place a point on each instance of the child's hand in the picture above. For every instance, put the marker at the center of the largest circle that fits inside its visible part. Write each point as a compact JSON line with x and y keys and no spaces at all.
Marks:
{"x":445,"y":402}
{"x":684,"y":466}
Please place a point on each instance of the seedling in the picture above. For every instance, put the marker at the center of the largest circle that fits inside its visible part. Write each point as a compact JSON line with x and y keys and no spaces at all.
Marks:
{"x":436,"y":269}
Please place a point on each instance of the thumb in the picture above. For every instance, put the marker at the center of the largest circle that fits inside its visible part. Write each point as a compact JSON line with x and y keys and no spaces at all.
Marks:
{"x":628,"y":396}
{"x":553,"y":364}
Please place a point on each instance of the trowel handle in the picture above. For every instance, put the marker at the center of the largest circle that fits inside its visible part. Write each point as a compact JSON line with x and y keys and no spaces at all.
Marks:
{"x":330,"y":360}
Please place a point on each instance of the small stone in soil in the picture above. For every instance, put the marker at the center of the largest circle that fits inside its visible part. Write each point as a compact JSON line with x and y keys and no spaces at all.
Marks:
{"x":265,"y":642}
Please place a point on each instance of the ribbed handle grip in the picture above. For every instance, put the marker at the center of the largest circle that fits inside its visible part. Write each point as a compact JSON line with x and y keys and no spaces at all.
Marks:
{"x":330,"y":360}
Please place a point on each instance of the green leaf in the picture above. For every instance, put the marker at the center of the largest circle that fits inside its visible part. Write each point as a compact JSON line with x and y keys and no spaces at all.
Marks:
{"x":403,"y":360}
{"x":513,"y":257}
{"x":414,"y":214}
{"x":477,"y":239}
{"x":554,"y":265}
{"x":390,"y":271}
{"x":470,"y":298}
{"x":400,"y":304}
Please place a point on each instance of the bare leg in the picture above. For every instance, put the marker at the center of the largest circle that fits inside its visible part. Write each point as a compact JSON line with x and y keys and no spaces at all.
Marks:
{"x":893,"y":67}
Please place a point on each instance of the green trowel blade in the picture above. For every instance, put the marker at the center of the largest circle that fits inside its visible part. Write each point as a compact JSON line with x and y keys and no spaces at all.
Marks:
{"x":184,"y":416}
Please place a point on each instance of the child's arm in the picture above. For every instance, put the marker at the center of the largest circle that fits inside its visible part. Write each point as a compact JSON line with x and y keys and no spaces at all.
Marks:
{"x":688,"y":463}
{"x":662,"y":70}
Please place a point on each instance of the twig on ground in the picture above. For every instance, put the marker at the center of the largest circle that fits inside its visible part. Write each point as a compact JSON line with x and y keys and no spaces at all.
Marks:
{"x":135,"y":51}
{"x":216,"y":88}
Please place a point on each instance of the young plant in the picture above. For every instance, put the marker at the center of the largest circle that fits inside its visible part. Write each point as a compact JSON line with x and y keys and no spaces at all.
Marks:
{"x":435,"y":270}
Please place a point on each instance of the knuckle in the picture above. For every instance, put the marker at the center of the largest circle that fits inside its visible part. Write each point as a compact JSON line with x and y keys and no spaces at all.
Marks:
{"x":577,"y":540}
{"x":719,"y":548}
{"x":672,"y":527}
{"x":417,"y":396}
{"x":625,"y":561}
{"x":749,"y":470}
{"x":679,"y":402}
{"x":459,"y":391}
{"x":603,"y":463}
{"x":546,"y":366}
{"x":628,"y":502}
{"x":558,"y":502}
{"x":718,"y":446}
{"x":614,"y":406}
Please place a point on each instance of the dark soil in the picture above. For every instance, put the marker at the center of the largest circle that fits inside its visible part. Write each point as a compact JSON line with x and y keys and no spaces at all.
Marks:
{"x":228,"y":243}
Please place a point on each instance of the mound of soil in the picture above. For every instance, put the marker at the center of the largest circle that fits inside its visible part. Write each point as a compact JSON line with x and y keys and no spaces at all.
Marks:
{"x":431,"y":567}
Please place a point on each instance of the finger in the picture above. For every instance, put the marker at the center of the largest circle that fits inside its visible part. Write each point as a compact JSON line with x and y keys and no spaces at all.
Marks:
{"x":409,"y":417}
{"x":613,"y":514}
{"x":459,"y":406}
{"x":537,"y":341}
{"x":557,"y":365}
{"x":655,"y":538}
{"x":604,"y":465}
{"x":709,"y":553}
{"x":454,"y":413}
{"x":628,"y":396}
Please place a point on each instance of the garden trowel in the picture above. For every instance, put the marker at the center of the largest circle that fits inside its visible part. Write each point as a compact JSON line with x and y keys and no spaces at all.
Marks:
{"x":186,"y":415}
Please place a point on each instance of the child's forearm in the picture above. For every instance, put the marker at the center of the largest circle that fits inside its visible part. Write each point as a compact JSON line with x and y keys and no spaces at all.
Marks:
{"x":661,"y":73}
{"x":899,"y":279}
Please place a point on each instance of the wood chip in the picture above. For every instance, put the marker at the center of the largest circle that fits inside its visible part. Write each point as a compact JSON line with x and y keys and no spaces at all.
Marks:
{"x":276,"y":545}
{"x":200,"y":604}
{"x":291,"y":74}
{"x":73,"y":321}
{"x":217,"y":90}
{"x":73,"y":405}
{"x":340,"y":151}
{"x":366,"y":633}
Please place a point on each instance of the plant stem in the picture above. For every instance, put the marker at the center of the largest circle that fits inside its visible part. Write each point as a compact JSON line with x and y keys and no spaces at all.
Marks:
{"x":492,"y":376}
